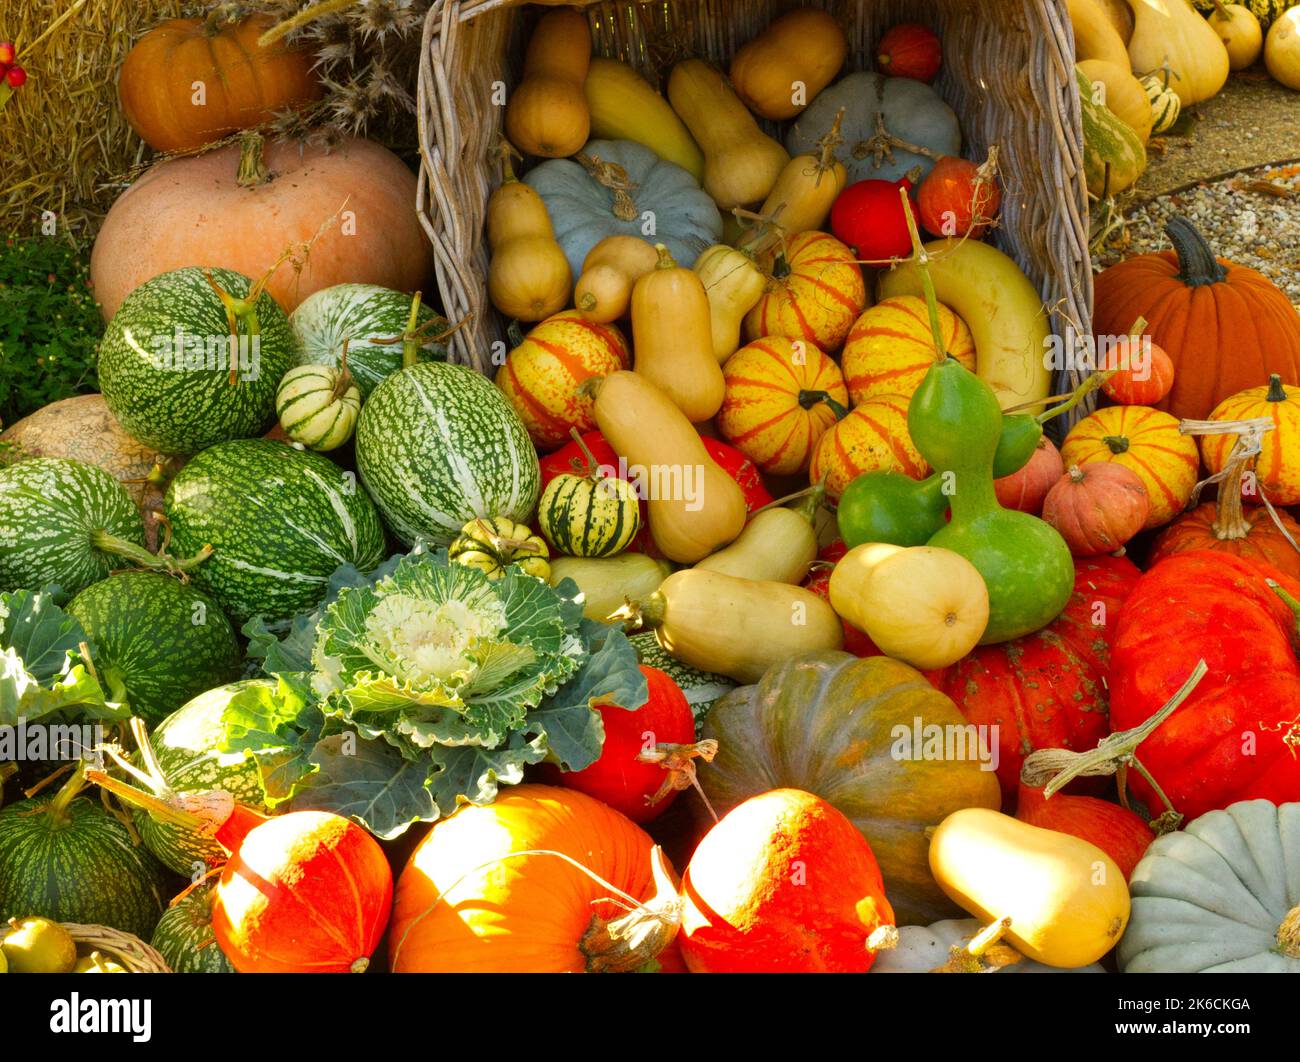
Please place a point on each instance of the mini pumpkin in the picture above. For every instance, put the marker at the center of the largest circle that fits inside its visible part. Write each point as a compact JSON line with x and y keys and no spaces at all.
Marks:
{"x":1277,"y":468}
{"x":589,"y":514}
{"x":890,"y":347}
{"x":1097,"y":507}
{"x":815,"y":292}
{"x":318,"y":405}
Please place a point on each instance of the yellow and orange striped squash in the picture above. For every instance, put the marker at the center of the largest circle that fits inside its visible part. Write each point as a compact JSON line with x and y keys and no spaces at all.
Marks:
{"x":1278,"y":465}
{"x":782,"y":395}
{"x":872,"y":438}
{"x":815,"y":293}
{"x":1147,"y":441}
{"x":540,"y":377}
{"x":890,"y":347}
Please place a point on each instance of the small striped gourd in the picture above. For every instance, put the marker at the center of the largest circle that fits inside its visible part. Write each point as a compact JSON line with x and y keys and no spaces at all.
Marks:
{"x":782,"y":395}
{"x":1165,"y":104}
{"x":815,"y":293}
{"x":1107,"y":141}
{"x":493,"y":545}
{"x":890,"y":347}
{"x":1277,"y":468}
{"x":184,"y":935}
{"x":589,"y":515}
{"x":872,"y":438}
{"x":318,"y":405}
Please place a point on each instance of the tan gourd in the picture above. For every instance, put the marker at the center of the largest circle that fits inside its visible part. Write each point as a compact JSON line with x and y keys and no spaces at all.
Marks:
{"x":741,"y":162}
{"x":672,"y":338}
{"x":1121,"y":93}
{"x":1172,"y":32}
{"x":528,"y":277}
{"x":778,"y":545}
{"x":604,"y":291}
{"x":1240,"y":32}
{"x":1094,"y":34}
{"x":801,"y":199}
{"x":694,"y":507}
{"x":547,"y":113}
{"x":624,"y":106}
{"x":738,"y":627}
{"x":778,"y":73}
{"x":734,"y":284}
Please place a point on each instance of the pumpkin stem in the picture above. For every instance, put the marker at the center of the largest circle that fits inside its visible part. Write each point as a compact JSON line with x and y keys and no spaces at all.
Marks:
{"x":808,"y":399}
{"x":345,"y":374}
{"x":1196,"y":261}
{"x":252,"y":169}
{"x":923,"y":267}
{"x":589,"y":387}
{"x":1288,"y":934}
{"x":1276,"y":390}
{"x":626,"y":943}
{"x":666,"y":260}
{"x":679,"y":763}
{"x":593,"y":466}
{"x":881,"y":146}
{"x":140,"y":557}
{"x":1117,"y":444}
{"x":983,"y":953}
{"x":828,"y":144}
{"x":614,"y":177}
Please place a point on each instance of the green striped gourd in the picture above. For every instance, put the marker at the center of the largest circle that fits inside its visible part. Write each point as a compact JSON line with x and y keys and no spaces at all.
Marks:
{"x":492,"y":546}
{"x":1264,"y":10}
{"x":369,"y":318}
{"x":318,"y":405}
{"x":1108,"y":139}
{"x":702,"y":688}
{"x":66,"y":857}
{"x":1165,"y":103}
{"x":279,"y":520}
{"x":67,"y":522}
{"x":589,"y":515}
{"x":438,"y":445}
{"x":184,"y":935}
{"x":157,"y":642}
{"x":165,"y":364}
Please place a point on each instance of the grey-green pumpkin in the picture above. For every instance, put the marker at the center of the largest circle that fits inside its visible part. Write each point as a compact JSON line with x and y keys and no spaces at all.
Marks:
{"x":184,"y":935}
{"x":166,"y":366}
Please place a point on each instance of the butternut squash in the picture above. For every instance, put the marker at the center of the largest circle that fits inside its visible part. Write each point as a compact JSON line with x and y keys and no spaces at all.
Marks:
{"x":741,"y":162}
{"x":1171,"y":31}
{"x":734,"y":284}
{"x":624,"y":106}
{"x":606,"y":582}
{"x":778,"y":73}
{"x":778,"y":545}
{"x":1094,"y":34}
{"x":1119,"y":16}
{"x":694,"y":507}
{"x":528,"y":277}
{"x":738,"y":627}
{"x":1120,"y":92}
{"x":1067,"y":900}
{"x":672,"y":338}
{"x":547,"y":113}
{"x":604,"y":291}
{"x":801,"y":199}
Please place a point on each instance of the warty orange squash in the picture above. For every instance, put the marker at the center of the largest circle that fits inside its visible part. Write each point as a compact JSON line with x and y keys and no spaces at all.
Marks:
{"x":890,"y":347}
{"x":872,"y":438}
{"x":815,"y":292}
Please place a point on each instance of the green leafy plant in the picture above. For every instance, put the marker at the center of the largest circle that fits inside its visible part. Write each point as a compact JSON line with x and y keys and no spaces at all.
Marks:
{"x":49,"y":325}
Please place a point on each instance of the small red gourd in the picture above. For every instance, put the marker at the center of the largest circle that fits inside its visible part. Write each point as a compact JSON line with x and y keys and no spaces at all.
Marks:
{"x":910,"y":50}
{"x":1097,"y":507}
{"x":1143,"y":374}
{"x":868,"y":216}
{"x":958,"y":198}
{"x":1025,"y":489}
{"x":1120,"y":833}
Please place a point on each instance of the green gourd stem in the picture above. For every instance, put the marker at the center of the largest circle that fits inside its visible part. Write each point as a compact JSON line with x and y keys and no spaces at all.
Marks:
{"x":139,"y":556}
{"x":239,"y":312}
{"x":1288,"y":934}
{"x":1276,"y":389}
{"x":57,"y":809}
{"x":345,"y":374}
{"x":666,"y":259}
{"x":809,"y":499}
{"x":1086,"y":387}
{"x":158,"y":810}
{"x":931,"y":300}
{"x":410,"y":345}
{"x":1197,"y":265}
{"x":808,"y":399}
{"x":1288,"y":600}
{"x":252,"y":169}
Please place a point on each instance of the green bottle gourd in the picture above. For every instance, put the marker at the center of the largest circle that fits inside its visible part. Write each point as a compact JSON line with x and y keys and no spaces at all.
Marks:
{"x":955,"y":423}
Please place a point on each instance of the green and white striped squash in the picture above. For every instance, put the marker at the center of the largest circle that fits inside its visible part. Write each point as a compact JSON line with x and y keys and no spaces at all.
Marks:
{"x":183,"y":400}
{"x":318,"y":406}
{"x":280,"y":521}
{"x":184,"y":935}
{"x":1108,"y":139}
{"x":438,"y":445}
{"x":702,"y":688}
{"x":158,"y":640}
{"x":1165,"y":103}
{"x":589,"y":515}
{"x":362,"y":314}
{"x":494,"y":545}
{"x":62,"y":521}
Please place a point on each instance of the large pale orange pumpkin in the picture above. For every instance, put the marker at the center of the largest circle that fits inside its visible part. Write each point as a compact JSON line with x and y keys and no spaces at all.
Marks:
{"x":1225,"y":326}
{"x":189,"y":81}
{"x":1277,"y":468}
{"x":890,"y":347}
{"x":540,"y":377}
{"x":872,"y":438}
{"x":1146,"y":441}
{"x":815,"y":292}
{"x":357,"y":200}
{"x":486,"y":891}
{"x":782,"y":395}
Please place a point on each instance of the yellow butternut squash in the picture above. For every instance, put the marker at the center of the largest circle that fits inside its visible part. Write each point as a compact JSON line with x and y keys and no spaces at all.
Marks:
{"x":1121,"y":93}
{"x":624,"y":106}
{"x":529,"y":276}
{"x":1119,"y":16}
{"x":1282,"y":48}
{"x":778,"y":73}
{"x":672,"y":338}
{"x":741,"y":162}
{"x":801,"y":199}
{"x":607,"y":582}
{"x":547,"y":113}
{"x":694,"y":507}
{"x":1172,"y":32}
{"x":604,"y":291}
{"x":778,"y":545}
{"x":734,"y":284}
{"x":1094,"y":34}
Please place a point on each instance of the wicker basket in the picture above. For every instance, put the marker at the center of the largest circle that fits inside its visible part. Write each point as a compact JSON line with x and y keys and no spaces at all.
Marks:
{"x":1008,"y":74}
{"x":129,"y":950}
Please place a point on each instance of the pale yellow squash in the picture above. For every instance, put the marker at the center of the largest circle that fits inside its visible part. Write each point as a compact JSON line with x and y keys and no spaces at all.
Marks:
{"x":607,"y":582}
{"x":734,"y":284}
{"x":604,"y":291}
{"x":1173,"y":32}
{"x":1095,"y":36}
{"x":1240,"y":32}
{"x":624,"y":106}
{"x":1282,"y":48}
{"x":778,"y":545}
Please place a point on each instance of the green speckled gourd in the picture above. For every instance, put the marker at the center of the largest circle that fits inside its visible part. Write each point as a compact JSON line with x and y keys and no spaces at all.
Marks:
{"x":438,"y":445}
{"x":66,"y":522}
{"x":156,"y":640}
{"x":363,"y":314}
{"x":279,"y":520}
{"x":66,"y":857}
{"x":184,"y":935}
{"x":702,"y":688}
{"x":183,"y":400}
{"x":1108,"y":139}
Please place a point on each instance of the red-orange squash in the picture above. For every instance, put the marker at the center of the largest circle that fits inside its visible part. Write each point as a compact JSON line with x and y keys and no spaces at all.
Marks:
{"x":958,"y":198}
{"x":890,"y":347}
{"x":784,"y":883}
{"x":189,"y":81}
{"x":1025,"y":489}
{"x":1097,"y":507}
{"x":872,"y":438}
{"x":540,"y":377}
{"x":1121,"y":834}
{"x":782,"y":395}
{"x":815,"y":292}
{"x":354,"y":201}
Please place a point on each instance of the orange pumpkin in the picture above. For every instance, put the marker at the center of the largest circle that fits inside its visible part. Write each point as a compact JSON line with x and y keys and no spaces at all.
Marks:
{"x":782,"y":395}
{"x":189,"y":81}
{"x":1225,"y":326}
{"x":467,"y":903}
{"x":307,"y":892}
{"x":1277,"y":468}
{"x":784,"y":883}
{"x":1146,"y":441}
{"x":225,"y":210}
{"x":872,"y":438}
{"x":890,"y":347}
{"x":815,"y":292}
{"x":540,"y":377}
